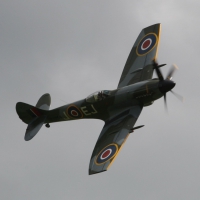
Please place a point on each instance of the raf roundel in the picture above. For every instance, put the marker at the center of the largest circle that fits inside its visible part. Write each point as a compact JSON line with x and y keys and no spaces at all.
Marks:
{"x":106,"y":154}
{"x":74,"y":112}
{"x":146,"y":44}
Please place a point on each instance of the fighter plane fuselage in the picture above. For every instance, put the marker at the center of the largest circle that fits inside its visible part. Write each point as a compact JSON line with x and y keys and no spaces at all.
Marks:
{"x":145,"y":92}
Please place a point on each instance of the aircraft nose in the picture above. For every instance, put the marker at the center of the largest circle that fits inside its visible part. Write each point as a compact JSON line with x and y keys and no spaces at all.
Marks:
{"x":166,"y":85}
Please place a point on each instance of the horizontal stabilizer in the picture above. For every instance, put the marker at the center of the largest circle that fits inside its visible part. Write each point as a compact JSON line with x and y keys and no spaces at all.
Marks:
{"x":44,"y":102}
{"x":34,"y":126}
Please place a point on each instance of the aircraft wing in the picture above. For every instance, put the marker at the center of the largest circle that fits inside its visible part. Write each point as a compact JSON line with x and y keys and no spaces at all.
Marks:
{"x":138,"y":66}
{"x":112,"y":137}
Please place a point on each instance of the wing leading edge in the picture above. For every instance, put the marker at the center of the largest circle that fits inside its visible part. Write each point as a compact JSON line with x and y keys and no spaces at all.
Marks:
{"x":112,"y":137}
{"x":138,"y":66}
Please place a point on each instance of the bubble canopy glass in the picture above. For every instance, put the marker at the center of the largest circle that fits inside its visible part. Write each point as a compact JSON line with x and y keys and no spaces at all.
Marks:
{"x":98,"y":96}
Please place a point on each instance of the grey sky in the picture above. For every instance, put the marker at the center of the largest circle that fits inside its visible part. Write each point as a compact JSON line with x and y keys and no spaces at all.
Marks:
{"x":71,"y":49}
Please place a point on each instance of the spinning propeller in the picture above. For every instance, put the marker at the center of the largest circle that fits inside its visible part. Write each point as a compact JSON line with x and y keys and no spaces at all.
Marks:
{"x":167,"y":84}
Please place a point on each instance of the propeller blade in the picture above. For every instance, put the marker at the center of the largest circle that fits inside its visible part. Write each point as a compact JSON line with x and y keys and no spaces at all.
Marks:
{"x":165,"y":100}
{"x":161,"y":65}
{"x":158,"y":71}
{"x":177,"y":95}
{"x":171,"y":72}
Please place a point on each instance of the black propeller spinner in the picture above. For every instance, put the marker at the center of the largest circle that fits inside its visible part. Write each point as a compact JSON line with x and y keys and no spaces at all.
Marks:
{"x":166,"y":85}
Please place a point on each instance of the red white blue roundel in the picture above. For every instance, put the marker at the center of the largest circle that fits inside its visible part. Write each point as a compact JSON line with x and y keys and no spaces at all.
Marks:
{"x":107,"y":153}
{"x":74,"y":112}
{"x":147,"y":43}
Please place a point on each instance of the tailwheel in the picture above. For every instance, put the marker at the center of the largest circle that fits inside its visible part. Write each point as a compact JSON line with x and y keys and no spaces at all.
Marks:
{"x":47,"y":125}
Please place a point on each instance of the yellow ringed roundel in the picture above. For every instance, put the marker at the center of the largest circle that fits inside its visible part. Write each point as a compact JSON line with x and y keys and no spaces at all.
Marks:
{"x":106,"y":154}
{"x":146,"y":44}
{"x":74,"y":112}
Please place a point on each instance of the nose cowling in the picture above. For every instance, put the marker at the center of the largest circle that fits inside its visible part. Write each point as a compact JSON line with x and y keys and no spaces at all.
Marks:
{"x":166,"y":85}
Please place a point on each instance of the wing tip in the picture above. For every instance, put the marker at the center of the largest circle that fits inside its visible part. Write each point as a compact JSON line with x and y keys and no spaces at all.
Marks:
{"x":91,"y":172}
{"x":157,"y":24}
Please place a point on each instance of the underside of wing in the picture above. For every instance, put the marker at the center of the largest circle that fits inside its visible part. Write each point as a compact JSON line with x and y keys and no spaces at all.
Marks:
{"x":139,"y":66}
{"x":112,"y":137}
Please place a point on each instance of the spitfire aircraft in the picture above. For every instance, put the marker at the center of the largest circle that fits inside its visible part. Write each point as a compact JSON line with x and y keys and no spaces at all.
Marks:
{"x":118,"y":108}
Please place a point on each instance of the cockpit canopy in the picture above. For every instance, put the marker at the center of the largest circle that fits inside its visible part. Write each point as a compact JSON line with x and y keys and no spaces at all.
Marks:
{"x":98,"y":96}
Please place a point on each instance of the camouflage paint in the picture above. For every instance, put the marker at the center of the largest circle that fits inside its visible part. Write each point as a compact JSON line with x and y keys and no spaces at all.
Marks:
{"x":119,"y":110}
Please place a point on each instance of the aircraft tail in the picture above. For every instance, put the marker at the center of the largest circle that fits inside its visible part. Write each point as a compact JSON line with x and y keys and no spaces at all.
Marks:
{"x":34,"y":116}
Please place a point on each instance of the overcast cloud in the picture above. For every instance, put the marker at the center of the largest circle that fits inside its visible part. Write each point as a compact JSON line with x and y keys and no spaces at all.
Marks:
{"x":72,"y":48}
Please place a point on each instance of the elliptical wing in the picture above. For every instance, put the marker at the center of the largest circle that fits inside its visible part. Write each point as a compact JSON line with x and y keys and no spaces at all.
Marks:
{"x":139,"y":66}
{"x":113,"y":135}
